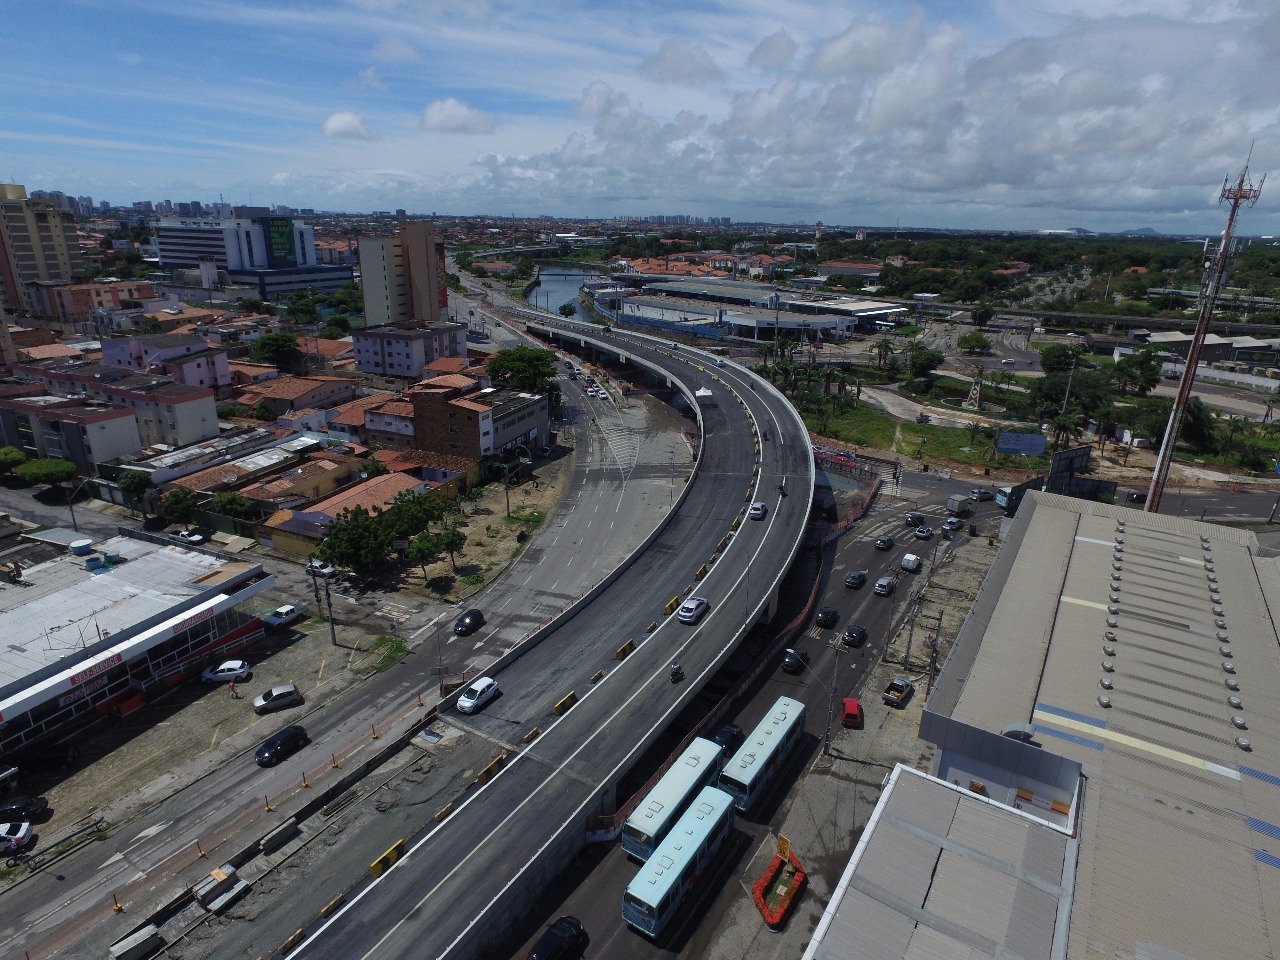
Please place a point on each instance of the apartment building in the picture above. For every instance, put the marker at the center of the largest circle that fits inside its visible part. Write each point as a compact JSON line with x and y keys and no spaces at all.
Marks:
{"x":38,"y":241}
{"x":85,"y":433}
{"x":403,"y":276}
{"x":73,"y":304}
{"x":284,"y":394}
{"x":486,"y":422}
{"x":404,"y":350}
{"x":184,"y":358}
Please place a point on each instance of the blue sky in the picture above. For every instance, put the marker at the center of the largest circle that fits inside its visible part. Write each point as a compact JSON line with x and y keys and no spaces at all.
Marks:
{"x":1017,"y":114}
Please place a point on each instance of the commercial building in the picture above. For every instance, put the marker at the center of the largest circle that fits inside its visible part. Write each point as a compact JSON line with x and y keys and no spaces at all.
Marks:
{"x":86,"y":434}
{"x":73,"y":305}
{"x":38,"y":241}
{"x":98,"y":633}
{"x":1106,"y":772}
{"x":479,"y":423}
{"x":403,"y":350}
{"x":403,"y":276}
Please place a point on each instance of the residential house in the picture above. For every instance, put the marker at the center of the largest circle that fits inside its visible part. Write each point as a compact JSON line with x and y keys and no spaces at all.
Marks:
{"x":299,"y":532}
{"x":287,"y":393}
{"x":184,"y":358}
{"x":346,"y":421}
{"x":390,"y":425}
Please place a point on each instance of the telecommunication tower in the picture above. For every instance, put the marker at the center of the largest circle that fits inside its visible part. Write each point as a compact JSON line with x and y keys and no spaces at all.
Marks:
{"x":1241,"y":192}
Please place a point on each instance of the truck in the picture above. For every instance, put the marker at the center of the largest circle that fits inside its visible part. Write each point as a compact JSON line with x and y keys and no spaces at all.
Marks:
{"x":958,"y":504}
{"x":898,"y":692}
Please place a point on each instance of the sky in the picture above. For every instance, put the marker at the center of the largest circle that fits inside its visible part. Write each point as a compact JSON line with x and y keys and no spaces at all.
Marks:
{"x":953,"y":114}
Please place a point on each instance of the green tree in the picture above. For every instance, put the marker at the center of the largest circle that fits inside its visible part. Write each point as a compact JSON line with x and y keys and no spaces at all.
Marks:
{"x":1139,"y":372}
{"x":568,"y":309}
{"x":134,"y":484}
{"x":1197,"y":426}
{"x":232,"y":411}
{"x":884,"y":350}
{"x":973,"y":342}
{"x":264,"y":411}
{"x":178,"y":506}
{"x":524,"y":368}
{"x":48,"y":471}
{"x":1058,"y":357}
{"x":921,"y":361}
{"x":11,"y":458}
{"x":413,"y":513}
{"x":452,"y":540}
{"x":357,"y":539}
{"x":229,"y":503}
{"x":982,"y":314}
{"x":278,"y":349}
{"x":423,"y":550}
{"x":331,"y":332}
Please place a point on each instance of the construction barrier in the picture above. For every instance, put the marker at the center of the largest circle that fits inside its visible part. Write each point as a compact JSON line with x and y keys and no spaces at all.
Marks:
{"x":671,"y":605}
{"x":625,"y":650}
{"x":491,"y":770}
{"x":531,"y":735}
{"x":597,"y":676}
{"x":379,"y":866}
{"x":724,"y":542}
{"x":444,"y":811}
{"x":736,"y":522}
{"x":564,"y":703}
{"x":295,"y":938}
{"x":700,"y":572}
{"x":333,"y":905}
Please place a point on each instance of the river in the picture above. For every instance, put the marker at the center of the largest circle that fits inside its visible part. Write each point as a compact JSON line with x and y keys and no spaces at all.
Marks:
{"x":556,"y":290}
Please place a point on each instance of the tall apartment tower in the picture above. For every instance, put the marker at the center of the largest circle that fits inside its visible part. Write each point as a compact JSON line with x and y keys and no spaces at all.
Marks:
{"x":38,"y":241}
{"x":403,"y":276}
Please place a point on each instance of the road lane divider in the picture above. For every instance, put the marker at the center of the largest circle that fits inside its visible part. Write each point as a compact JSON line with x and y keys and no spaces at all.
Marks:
{"x":625,"y":650}
{"x":565,"y":703}
{"x":394,"y":853}
{"x":671,"y":605}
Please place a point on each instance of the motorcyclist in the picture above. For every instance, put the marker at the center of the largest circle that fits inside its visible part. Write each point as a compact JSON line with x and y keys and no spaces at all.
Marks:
{"x":676,"y":671}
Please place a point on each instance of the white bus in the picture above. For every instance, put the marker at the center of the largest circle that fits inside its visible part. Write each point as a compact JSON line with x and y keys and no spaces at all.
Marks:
{"x":749,"y":771}
{"x":694,"y":769}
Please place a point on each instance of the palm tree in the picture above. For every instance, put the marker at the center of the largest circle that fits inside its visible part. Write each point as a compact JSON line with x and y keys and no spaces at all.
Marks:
{"x":884,"y":350}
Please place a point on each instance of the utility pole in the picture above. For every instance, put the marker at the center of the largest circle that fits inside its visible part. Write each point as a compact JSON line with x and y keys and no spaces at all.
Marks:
{"x":1241,"y":192}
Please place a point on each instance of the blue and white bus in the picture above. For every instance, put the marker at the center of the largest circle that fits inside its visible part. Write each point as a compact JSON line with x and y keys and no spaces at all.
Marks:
{"x":657,"y":891}
{"x":749,"y":771}
{"x":696,"y":768}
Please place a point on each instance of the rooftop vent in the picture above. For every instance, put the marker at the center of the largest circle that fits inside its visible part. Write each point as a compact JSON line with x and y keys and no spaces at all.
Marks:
{"x":1104,"y":702}
{"x":1108,"y":666}
{"x":1239,"y":723}
{"x":1109,"y":650}
{"x":1228,"y":667}
{"x":1106,"y":683}
{"x":1235,"y":703}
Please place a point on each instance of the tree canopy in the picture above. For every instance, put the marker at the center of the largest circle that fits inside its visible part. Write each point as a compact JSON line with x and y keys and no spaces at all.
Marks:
{"x":278,"y":349}
{"x":973,"y":342}
{"x":357,"y":538}
{"x":11,"y":458}
{"x":178,"y":506}
{"x":49,"y":470}
{"x":134,"y":484}
{"x":524,"y":368}
{"x":229,"y":503}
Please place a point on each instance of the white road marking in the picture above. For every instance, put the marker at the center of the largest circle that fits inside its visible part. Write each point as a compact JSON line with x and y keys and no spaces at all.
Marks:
{"x":151,"y":831}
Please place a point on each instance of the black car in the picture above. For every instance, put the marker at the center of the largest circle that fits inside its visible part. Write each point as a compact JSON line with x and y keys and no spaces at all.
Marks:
{"x":855,"y":635}
{"x":280,"y":745}
{"x":884,"y":543}
{"x":913,"y":519}
{"x":1137,"y":498}
{"x":469,"y":623}
{"x":564,"y":938}
{"x":856,"y":579}
{"x":827,"y":617}
{"x":728,"y":736}
{"x":794,"y":661}
{"x":22,"y":808}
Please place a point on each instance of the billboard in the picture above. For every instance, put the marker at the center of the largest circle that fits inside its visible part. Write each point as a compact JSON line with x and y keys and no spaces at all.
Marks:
{"x":1073,"y":461}
{"x":1023,"y":444}
{"x":280,"y":251}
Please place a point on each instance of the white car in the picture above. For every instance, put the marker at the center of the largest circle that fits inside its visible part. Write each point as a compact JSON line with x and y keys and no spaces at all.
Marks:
{"x":911,"y":563}
{"x":237,"y":670}
{"x":757,"y":510}
{"x":693,"y":609}
{"x":318,"y":568}
{"x":14,"y":836}
{"x":282,"y":616}
{"x":190,"y":536}
{"x":477,"y":695}
{"x":1008,"y":360}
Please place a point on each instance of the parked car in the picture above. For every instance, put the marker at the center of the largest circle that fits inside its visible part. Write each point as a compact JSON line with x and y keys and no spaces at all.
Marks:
{"x":884,"y":543}
{"x":477,"y":695}
{"x":281,"y":745}
{"x":794,"y":661}
{"x":898,"y":692}
{"x":14,"y":837}
{"x":318,"y":568}
{"x":190,"y":536}
{"x":277,"y":698}
{"x":227,"y":671}
{"x":469,"y":622}
{"x":693,"y":609}
{"x":855,"y":635}
{"x":924,"y":533}
{"x":952,"y":524}
{"x":282,"y":616}
{"x":563,"y":939}
{"x":884,"y":587}
{"x":728,"y":737}
{"x":851,"y":712}
{"x":856,"y":579}
{"x":979,"y":494}
{"x":22,"y":808}
{"x":827,"y":617}
{"x":911,"y":562}
{"x":757,"y":510}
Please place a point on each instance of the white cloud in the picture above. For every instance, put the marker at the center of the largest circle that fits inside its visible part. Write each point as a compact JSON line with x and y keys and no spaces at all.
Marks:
{"x":347,"y":126}
{"x":773,"y":52}
{"x":370,"y":79}
{"x":394,"y":50}
{"x":453,"y":116}
{"x":681,"y":61}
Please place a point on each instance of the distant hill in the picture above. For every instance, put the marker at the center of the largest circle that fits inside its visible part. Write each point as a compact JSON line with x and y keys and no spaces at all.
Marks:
{"x":1141,"y":232}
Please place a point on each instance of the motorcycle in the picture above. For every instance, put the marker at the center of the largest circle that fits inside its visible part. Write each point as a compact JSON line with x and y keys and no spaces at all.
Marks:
{"x":677,"y":673}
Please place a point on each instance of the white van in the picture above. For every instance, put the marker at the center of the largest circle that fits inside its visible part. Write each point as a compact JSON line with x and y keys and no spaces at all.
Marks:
{"x":911,"y":563}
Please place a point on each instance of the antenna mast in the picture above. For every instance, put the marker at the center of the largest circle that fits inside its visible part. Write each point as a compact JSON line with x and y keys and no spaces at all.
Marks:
{"x":1241,"y":192}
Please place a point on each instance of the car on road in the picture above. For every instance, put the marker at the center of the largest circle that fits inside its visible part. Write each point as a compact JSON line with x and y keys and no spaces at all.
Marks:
{"x":563,"y":939}
{"x":1008,"y":360}
{"x":281,"y":745}
{"x":757,"y":510}
{"x":952,"y":524}
{"x":728,"y":737}
{"x":911,"y":562}
{"x":855,"y":635}
{"x":794,"y":661}
{"x":981,"y":495}
{"x":282,"y":616}
{"x":913,"y":519}
{"x":318,"y":568}
{"x":22,"y":808}
{"x":924,"y":533}
{"x":190,"y":536}
{"x":14,"y":837}
{"x":850,"y":712}
{"x":884,"y":543}
{"x":1137,"y":498}
{"x":693,"y":609}
{"x":827,"y":617}
{"x":237,"y":671}
{"x":277,"y":698}
{"x":857,"y":579}
{"x":477,"y":695}
{"x":884,"y":587}
{"x":468,"y":623}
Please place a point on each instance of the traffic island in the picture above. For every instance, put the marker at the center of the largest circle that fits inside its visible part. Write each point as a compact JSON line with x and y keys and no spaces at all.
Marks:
{"x":776,"y":889}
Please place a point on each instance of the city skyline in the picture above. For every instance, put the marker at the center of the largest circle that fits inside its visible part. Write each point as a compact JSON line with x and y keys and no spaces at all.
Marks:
{"x":985,"y":115}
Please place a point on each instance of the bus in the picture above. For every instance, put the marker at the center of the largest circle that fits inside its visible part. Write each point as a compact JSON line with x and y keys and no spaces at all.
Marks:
{"x":696,"y":768}
{"x":657,"y":891}
{"x":749,"y":771}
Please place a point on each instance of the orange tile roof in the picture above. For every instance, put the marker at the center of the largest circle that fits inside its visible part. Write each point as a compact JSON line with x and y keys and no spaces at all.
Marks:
{"x":47,"y":351}
{"x":223,"y":475}
{"x":395,"y":408}
{"x":472,"y":405}
{"x":449,"y":364}
{"x":374,"y":492}
{"x":289,"y":388}
{"x":273,"y":487}
{"x":452,"y":380}
{"x":326,"y":348}
{"x":351,"y":413}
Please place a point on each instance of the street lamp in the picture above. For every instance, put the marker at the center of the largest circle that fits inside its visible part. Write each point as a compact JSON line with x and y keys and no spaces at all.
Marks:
{"x":831,"y":698}
{"x":71,"y":497}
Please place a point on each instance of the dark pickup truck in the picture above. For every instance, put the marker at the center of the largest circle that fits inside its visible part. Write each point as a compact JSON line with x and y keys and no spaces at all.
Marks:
{"x":898,"y":692}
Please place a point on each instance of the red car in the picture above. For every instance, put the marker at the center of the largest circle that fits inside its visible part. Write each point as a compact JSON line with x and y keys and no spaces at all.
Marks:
{"x":851,"y":712}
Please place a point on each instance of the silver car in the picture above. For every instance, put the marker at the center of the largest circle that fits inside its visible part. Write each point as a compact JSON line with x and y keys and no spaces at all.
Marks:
{"x":693,"y":609}
{"x":277,"y":698}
